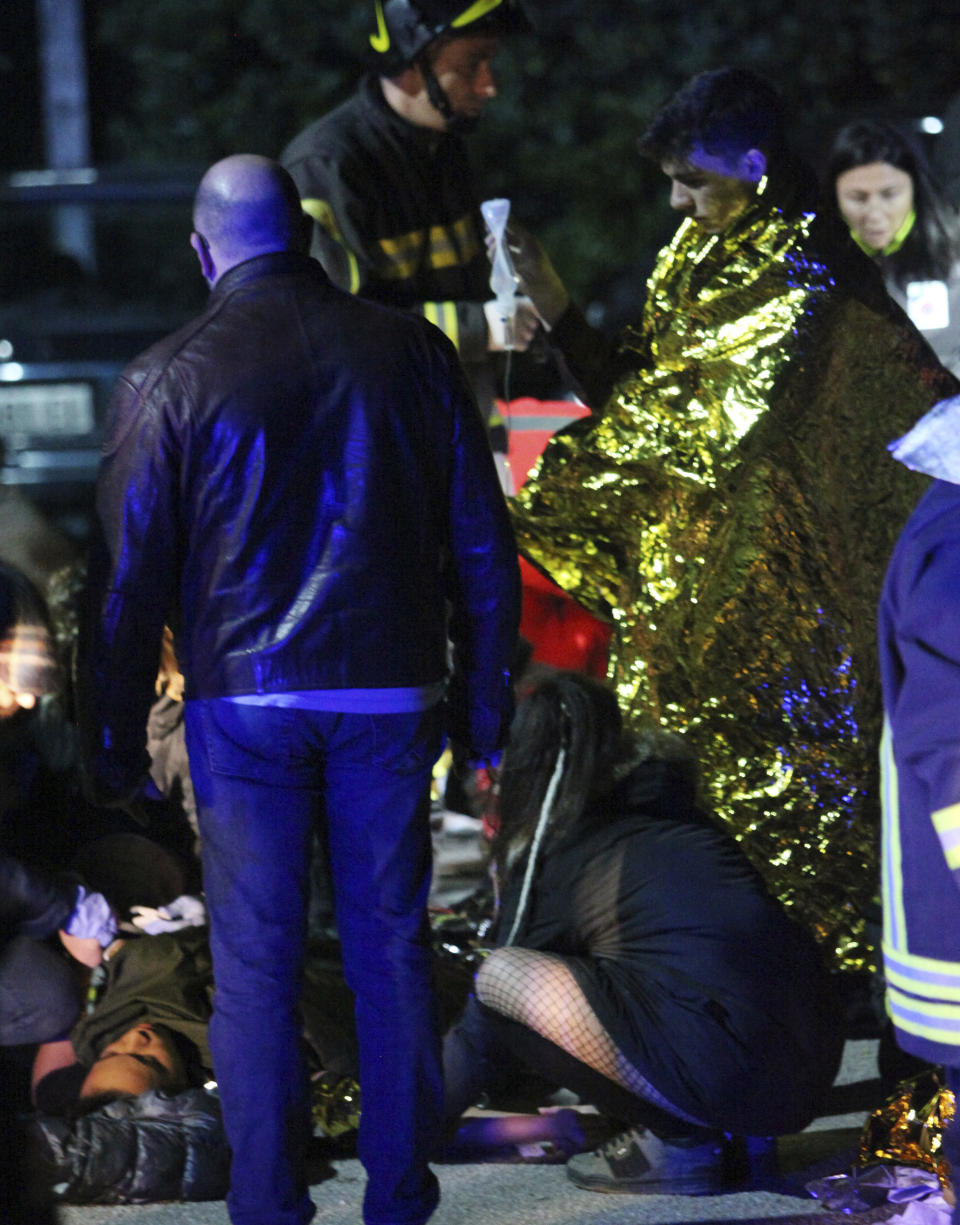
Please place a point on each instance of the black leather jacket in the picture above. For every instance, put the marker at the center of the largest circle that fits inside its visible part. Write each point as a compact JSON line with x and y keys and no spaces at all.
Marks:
{"x":299,"y":481}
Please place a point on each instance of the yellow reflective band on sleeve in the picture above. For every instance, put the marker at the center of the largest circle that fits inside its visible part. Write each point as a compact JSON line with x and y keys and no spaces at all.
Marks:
{"x":895,"y":916}
{"x":932,"y":1033}
{"x":477,"y":10}
{"x":444,"y":316}
{"x":380,"y":41}
{"x":442,"y":246}
{"x":935,"y":1022}
{"x":946,"y":821}
{"x":324,"y":216}
{"x":925,"y":979}
{"x":922,"y":993}
{"x":320,"y":211}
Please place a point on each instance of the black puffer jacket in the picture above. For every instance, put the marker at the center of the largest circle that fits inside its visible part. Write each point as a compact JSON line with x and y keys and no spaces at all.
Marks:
{"x":135,"y":1151}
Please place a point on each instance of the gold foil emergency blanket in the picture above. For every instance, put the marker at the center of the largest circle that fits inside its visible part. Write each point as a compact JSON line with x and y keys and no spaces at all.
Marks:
{"x":730,"y":512}
{"x":908,"y":1129}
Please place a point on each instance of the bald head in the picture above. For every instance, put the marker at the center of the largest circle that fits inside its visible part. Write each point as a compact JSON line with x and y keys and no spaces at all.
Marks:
{"x":245,"y":206}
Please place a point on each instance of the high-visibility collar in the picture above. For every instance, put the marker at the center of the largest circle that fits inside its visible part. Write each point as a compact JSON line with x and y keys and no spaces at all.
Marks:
{"x":895,"y":243}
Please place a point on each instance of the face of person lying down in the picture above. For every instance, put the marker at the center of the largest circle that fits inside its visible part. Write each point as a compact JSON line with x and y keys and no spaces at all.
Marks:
{"x":143,"y":1058}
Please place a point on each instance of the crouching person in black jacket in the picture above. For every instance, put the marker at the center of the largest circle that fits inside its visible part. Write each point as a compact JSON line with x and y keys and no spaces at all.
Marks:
{"x":641,"y":962}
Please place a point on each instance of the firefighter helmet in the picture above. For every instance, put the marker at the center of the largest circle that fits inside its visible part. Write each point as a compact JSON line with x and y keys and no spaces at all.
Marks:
{"x":405,"y":27}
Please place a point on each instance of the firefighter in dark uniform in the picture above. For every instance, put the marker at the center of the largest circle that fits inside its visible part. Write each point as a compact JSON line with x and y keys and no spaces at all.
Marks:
{"x":387,"y":181}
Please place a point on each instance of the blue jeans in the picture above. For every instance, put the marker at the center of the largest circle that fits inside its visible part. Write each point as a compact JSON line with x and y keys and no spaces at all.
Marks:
{"x":264,"y":779}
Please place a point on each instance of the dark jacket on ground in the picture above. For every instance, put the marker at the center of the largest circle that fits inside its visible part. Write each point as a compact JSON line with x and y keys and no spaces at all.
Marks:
{"x":166,"y":979}
{"x":137,"y":1150}
{"x":704,"y":983}
{"x":300,"y":482}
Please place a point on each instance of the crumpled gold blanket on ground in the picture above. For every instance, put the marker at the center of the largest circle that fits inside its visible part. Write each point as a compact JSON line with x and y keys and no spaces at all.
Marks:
{"x":908,"y":1129}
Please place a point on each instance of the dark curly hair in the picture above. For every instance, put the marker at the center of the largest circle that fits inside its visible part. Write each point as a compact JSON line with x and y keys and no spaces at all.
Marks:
{"x":725,"y":111}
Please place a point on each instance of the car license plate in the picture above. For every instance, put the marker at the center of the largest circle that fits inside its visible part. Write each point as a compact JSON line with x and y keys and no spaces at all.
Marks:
{"x":46,"y":409}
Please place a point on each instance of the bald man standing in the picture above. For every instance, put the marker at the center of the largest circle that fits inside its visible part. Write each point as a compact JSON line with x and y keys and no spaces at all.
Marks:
{"x":299,"y":481}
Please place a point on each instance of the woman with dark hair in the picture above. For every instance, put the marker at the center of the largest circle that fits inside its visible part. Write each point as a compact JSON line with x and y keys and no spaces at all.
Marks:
{"x":641,"y":962}
{"x":879,"y":186}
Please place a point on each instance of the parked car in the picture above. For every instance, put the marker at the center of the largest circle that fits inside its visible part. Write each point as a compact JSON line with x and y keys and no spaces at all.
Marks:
{"x":96,"y":267}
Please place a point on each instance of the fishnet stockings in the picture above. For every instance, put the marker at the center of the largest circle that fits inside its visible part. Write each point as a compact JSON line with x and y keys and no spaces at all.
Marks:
{"x":538,"y":990}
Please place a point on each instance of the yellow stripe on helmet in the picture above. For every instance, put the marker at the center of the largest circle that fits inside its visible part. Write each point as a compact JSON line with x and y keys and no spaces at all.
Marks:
{"x":380,"y":41}
{"x":478,"y":9}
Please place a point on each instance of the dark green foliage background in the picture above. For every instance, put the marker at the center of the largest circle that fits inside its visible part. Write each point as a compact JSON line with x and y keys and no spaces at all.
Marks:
{"x":187,"y":81}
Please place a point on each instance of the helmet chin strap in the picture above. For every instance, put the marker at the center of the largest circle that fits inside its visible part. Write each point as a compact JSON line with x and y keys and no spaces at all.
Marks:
{"x":438,"y":98}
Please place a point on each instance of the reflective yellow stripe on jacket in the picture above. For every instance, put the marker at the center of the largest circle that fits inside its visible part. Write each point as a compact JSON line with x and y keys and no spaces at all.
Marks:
{"x":444,"y":316}
{"x":324,"y":215}
{"x":441,"y":246}
{"x":923,"y":993}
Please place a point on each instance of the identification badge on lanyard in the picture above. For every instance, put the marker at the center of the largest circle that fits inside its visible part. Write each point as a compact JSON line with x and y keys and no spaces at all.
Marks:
{"x":928,"y":305}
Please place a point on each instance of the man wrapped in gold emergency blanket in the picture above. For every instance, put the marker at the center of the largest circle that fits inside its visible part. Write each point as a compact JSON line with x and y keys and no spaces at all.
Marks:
{"x":730,"y":509}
